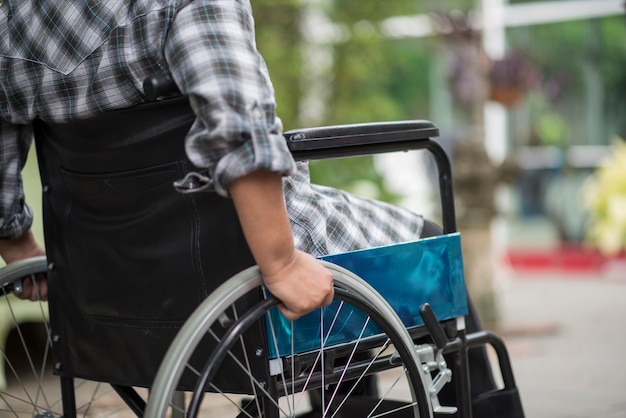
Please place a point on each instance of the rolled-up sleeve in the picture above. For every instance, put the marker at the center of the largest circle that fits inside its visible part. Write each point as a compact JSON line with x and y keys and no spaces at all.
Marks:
{"x":15,"y":215}
{"x":211,"y":52}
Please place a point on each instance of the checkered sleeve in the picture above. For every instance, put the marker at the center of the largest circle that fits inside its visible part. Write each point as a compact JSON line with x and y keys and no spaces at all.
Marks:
{"x":212,"y":56}
{"x":211,"y":52}
{"x":325,"y":220}
{"x":15,"y":215}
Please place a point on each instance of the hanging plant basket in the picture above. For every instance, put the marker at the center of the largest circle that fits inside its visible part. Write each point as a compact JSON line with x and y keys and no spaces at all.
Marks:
{"x":508,"y":96}
{"x":510,"y":78}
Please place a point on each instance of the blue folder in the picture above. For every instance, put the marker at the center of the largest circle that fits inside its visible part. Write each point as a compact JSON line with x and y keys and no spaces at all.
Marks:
{"x":406,"y":275}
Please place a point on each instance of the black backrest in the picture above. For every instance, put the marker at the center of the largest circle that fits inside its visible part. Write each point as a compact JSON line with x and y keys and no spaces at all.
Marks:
{"x":130,"y":257}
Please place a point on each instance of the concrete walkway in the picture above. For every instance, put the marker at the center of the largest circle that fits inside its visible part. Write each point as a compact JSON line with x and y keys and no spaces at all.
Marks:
{"x":567,"y":339}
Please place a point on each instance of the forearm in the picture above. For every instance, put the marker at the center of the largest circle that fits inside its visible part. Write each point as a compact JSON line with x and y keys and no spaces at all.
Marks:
{"x":297,"y":279}
{"x":19,"y":248}
{"x":260,"y":205}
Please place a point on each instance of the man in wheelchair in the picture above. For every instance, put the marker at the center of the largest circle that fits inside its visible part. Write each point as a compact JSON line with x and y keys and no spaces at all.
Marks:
{"x":69,"y":71}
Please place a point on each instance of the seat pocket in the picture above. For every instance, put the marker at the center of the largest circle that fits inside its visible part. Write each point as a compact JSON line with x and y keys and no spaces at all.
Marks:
{"x":131,"y":243}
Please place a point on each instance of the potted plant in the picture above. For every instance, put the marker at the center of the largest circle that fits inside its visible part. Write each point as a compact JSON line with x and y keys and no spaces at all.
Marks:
{"x":510,"y":78}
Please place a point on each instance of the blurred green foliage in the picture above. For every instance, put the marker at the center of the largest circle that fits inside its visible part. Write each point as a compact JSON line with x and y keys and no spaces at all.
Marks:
{"x":568,"y":55}
{"x":378,"y":79}
{"x":373,"y":78}
{"x":279,"y":40}
{"x":350,"y":11}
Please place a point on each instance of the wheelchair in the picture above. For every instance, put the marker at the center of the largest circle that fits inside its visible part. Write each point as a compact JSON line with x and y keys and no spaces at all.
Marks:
{"x":113,"y":342}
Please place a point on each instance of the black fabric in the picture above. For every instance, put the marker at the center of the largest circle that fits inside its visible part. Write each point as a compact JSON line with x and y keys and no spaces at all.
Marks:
{"x":131,"y":258}
{"x":430,"y":229}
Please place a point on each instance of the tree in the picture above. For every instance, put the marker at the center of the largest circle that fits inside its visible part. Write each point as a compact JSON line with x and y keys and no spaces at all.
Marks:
{"x":279,"y":40}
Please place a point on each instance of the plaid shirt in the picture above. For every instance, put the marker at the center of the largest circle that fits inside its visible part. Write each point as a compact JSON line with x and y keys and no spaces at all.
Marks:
{"x":67,"y":60}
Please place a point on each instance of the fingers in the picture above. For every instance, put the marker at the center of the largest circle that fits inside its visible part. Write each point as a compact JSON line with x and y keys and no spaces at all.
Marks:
{"x":297,"y":311}
{"x":42,"y":281}
{"x":330,"y":296}
{"x":304,"y":286}
{"x":317,"y":292}
{"x":34,"y":288}
{"x":292,"y":316}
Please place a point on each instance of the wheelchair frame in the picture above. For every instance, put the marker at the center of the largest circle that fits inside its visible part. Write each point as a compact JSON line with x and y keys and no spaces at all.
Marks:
{"x":336,"y":142}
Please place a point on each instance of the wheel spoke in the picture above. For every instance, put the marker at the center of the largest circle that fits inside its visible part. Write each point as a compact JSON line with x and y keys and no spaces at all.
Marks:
{"x":32,"y":389}
{"x":331,"y":374}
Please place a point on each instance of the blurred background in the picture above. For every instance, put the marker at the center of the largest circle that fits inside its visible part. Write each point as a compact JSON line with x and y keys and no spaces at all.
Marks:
{"x":530,"y":100}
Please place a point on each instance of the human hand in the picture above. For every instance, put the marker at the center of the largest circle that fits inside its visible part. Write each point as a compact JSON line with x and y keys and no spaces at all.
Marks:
{"x":296,"y":278}
{"x":301,"y":286}
{"x":34,"y":287}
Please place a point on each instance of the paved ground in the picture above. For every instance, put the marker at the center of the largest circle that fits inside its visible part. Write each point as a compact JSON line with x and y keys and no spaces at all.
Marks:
{"x":567,"y":340}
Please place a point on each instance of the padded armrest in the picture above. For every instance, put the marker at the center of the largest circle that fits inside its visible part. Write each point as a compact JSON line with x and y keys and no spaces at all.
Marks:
{"x":374,"y":138}
{"x":359,"y":139}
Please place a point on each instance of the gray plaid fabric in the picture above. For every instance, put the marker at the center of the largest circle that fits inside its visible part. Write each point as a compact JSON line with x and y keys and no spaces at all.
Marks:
{"x":67,"y":60}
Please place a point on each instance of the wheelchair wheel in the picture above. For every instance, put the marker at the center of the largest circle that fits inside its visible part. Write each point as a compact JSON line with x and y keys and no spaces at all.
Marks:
{"x":371,"y":369}
{"x":28,"y":387}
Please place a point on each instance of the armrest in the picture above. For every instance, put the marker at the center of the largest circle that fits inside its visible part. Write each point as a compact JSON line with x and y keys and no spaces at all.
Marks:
{"x":373,"y":138}
{"x":359,"y":139}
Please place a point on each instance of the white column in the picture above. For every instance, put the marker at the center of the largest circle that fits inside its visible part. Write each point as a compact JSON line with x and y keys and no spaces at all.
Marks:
{"x":494,"y":43}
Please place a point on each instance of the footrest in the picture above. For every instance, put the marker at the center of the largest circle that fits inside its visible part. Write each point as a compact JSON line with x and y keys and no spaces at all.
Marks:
{"x":498,"y":403}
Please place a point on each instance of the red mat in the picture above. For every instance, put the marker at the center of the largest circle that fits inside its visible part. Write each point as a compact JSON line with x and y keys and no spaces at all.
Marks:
{"x":567,"y":258}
